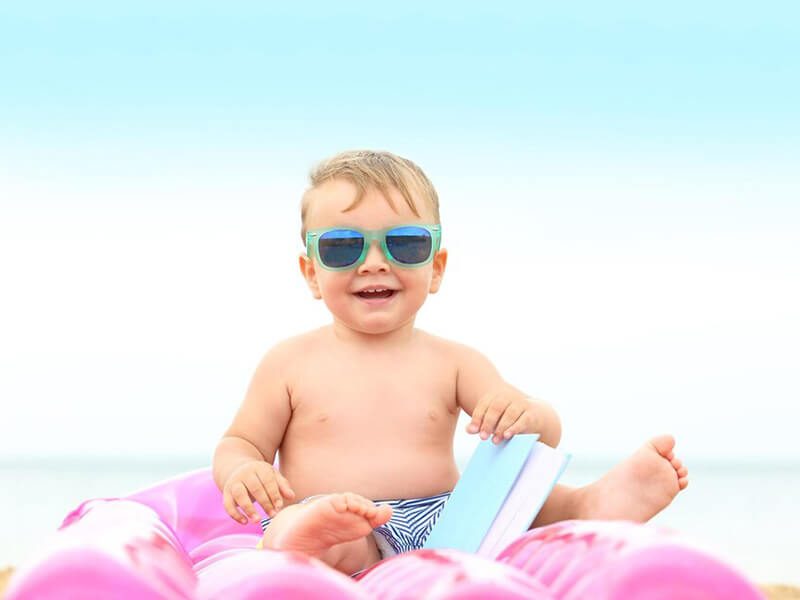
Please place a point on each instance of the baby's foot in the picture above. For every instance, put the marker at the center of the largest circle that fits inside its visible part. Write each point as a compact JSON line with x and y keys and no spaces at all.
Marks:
{"x":319,"y":525}
{"x":639,"y":487}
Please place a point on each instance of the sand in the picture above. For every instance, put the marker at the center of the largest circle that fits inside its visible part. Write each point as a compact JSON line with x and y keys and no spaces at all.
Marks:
{"x":772,"y":592}
{"x":5,"y":574}
{"x":781,"y":592}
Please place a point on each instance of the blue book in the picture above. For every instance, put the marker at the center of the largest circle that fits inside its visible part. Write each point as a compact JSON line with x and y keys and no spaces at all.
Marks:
{"x":499,"y":494}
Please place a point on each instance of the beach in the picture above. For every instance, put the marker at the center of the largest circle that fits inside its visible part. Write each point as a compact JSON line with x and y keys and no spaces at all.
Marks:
{"x":772,"y":592}
{"x":742,"y":514}
{"x":781,"y":592}
{"x":5,"y":575}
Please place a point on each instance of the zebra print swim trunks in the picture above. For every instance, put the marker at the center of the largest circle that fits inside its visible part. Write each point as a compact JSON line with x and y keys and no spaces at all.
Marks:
{"x":409,"y":527}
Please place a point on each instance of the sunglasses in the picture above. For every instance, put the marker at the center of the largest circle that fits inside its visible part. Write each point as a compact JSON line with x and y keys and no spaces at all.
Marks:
{"x":340,"y":248}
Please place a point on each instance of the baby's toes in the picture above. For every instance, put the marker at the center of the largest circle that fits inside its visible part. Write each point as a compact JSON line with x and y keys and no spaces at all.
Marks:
{"x":358,"y":504}
{"x":350,"y":502}
{"x":368,"y":509}
{"x":676,"y":464}
{"x":382,"y":514}
{"x":664,"y":445}
{"x":340,"y":502}
{"x":682,"y":472}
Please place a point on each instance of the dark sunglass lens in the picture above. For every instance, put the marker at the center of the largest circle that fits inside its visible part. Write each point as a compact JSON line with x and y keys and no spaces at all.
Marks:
{"x":409,"y":245}
{"x":340,"y":247}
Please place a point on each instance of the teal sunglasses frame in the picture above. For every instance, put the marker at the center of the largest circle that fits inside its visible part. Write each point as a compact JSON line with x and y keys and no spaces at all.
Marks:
{"x":313,"y":235}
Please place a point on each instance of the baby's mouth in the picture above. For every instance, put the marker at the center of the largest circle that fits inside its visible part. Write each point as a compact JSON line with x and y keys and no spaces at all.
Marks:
{"x":375,"y":294}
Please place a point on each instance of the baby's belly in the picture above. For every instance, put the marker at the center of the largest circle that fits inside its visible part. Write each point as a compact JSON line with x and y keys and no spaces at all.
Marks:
{"x":372,"y":469}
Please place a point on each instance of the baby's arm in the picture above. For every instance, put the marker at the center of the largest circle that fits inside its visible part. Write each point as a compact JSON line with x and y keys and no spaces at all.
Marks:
{"x":243,"y":459}
{"x":497,"y":408}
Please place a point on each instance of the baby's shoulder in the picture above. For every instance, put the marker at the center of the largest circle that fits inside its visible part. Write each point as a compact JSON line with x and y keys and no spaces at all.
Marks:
{"x":445,"y":347}
{"x":291,"y":348}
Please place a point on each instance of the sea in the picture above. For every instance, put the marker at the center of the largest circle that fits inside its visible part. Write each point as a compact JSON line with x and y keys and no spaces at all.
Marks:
{"x":746,"y":514}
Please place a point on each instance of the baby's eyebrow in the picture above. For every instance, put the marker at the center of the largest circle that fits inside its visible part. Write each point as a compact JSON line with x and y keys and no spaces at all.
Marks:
{"x":358,"y":228}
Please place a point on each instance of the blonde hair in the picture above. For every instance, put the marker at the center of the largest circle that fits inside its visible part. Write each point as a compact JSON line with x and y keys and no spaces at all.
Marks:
{"x":368,"y":169}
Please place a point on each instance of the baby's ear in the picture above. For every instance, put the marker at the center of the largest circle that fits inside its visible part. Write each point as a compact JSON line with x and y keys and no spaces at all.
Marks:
{"x":439,"y":265}
{"x":309,"y":273}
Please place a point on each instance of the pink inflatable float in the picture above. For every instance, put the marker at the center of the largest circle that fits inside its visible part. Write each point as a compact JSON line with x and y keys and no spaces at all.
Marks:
{"x":174,"y":541}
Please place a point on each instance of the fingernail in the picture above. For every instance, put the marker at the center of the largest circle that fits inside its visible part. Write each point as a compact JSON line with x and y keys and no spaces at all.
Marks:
{"x":507,"y":434}
{"x":484,"y":435}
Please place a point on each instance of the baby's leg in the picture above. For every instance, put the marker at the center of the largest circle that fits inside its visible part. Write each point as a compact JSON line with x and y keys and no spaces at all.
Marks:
{"x":636,"y":489}
{"x":335,"y":528}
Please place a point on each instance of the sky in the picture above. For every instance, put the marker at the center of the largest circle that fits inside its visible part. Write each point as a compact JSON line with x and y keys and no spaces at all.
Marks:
{"x":618,"y":184}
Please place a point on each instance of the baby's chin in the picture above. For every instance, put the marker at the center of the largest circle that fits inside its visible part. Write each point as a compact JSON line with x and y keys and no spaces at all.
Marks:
{"x":379,"y":326}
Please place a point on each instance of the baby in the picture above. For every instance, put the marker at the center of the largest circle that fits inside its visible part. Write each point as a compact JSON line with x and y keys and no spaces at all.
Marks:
{"x":363,"y":411}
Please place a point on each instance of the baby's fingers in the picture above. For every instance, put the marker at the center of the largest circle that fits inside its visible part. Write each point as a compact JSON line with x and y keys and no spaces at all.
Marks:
{"x":510,"y":416}
{"x":230,"y":507}
{"x":494,"y":412}
{"x":477,"y":418}
{"x":242,"y":499}
{"x":275,"y":498}
{"x":519,"y":426}
{"x":284,"y":487}
{"x":259,"y":493}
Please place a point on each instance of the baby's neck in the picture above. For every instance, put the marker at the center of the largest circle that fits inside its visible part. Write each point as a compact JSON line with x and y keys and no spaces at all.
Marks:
{"x":396,"y":337}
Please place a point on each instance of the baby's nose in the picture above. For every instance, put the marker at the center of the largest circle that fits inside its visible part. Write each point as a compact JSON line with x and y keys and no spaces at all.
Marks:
{"x":375,"y":260}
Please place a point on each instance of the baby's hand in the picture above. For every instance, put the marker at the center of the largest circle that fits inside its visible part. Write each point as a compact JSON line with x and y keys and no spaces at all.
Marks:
{"x":502,"y":415}
{"x":255,"y":480}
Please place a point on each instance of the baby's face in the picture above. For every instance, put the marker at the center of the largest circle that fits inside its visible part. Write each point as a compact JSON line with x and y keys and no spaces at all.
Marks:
{"x":343,"y":291}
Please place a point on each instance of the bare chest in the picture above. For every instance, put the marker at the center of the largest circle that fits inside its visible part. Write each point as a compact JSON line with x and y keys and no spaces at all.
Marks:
{"x":378,"y":396}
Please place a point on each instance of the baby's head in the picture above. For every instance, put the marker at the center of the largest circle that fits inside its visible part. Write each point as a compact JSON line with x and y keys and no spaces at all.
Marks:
{"x":368,"y":170}
{"x":372,"y":234}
